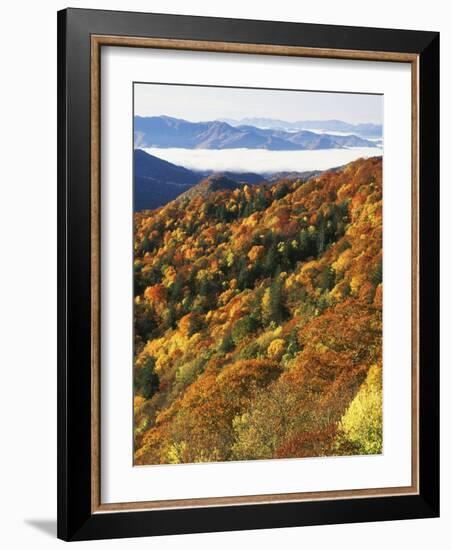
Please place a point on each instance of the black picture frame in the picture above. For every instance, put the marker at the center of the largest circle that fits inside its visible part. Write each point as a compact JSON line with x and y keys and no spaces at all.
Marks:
{"x":75,"y":518}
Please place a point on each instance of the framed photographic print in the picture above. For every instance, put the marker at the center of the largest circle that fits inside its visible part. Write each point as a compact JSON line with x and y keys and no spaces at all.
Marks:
{"x":248,"y":274}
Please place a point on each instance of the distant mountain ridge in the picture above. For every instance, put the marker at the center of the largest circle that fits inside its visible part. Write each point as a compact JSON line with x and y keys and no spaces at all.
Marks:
{"x":167,"y":132}
{"x":364,"y":130}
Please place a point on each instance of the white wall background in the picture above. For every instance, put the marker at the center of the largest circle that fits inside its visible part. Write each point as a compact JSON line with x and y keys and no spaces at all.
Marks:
{"x":28,"y":273}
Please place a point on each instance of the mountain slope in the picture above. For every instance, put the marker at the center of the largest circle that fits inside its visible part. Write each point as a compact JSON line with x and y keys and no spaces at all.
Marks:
{"x":209,"y":185}
{"x":157,"y":181}
{"x":258,"y":321}
{"x":246,"y":177}
{"x":365,"y":130}
{"x":164,"y":131}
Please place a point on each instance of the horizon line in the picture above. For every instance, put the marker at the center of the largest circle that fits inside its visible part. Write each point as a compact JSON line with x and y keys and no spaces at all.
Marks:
{"x":225,"y":119}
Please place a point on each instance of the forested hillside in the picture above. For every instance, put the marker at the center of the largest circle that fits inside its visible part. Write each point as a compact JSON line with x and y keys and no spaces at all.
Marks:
{"x":258,"y":320}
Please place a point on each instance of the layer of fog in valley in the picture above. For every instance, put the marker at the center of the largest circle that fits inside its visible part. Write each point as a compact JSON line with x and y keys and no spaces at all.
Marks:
{"x":261,"y":160}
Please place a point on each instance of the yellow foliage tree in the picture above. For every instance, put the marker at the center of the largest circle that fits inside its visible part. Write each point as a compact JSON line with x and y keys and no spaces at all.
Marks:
{"x":361,"y":424}
{"x":276,"y":349}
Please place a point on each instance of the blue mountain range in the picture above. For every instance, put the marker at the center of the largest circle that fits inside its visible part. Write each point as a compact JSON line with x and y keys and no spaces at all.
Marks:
{"x":166,"y":132}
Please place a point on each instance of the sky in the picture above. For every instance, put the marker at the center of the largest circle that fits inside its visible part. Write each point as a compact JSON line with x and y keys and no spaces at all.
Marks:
{"x":201,"y":103}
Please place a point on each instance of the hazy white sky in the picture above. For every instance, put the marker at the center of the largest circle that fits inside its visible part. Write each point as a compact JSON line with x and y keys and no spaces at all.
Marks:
{"x":198,"y":103}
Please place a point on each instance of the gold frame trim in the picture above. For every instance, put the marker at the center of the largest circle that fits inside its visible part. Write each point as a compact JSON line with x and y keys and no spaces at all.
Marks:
{"x":97,"y":41}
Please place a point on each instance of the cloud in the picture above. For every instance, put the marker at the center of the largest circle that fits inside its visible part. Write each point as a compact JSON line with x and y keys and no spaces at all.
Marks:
{"x":261,"y":160}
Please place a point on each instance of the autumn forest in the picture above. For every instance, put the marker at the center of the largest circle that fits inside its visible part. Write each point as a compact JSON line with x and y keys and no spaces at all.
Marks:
{"x":258,"y":319}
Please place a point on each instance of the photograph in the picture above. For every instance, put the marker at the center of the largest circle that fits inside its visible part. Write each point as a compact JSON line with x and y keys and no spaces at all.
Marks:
{"x":257,"y":273}
{"x":226,"y":275}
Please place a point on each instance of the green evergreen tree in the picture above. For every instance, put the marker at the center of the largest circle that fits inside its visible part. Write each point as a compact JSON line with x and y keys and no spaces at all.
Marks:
{"x":146,"y":245}
{"x":177,"y":288}
{"x":271,"y":260}
{"x":376,"y":276}
{"x":227,"y":344}
{"x":169,"y":317}
{"x":304,"y":244}
{"x":281,"y":191}
{"x":243,"y":277}
{"x":247,"y":211}
{"x":321,"y":235}
{"x":326,"y":279}
{"x":261,"y":203}
{"x":256,"y":307}
{"x":242,"y":328}
{"x":146,"y":379}
{"x":276,"y":311}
